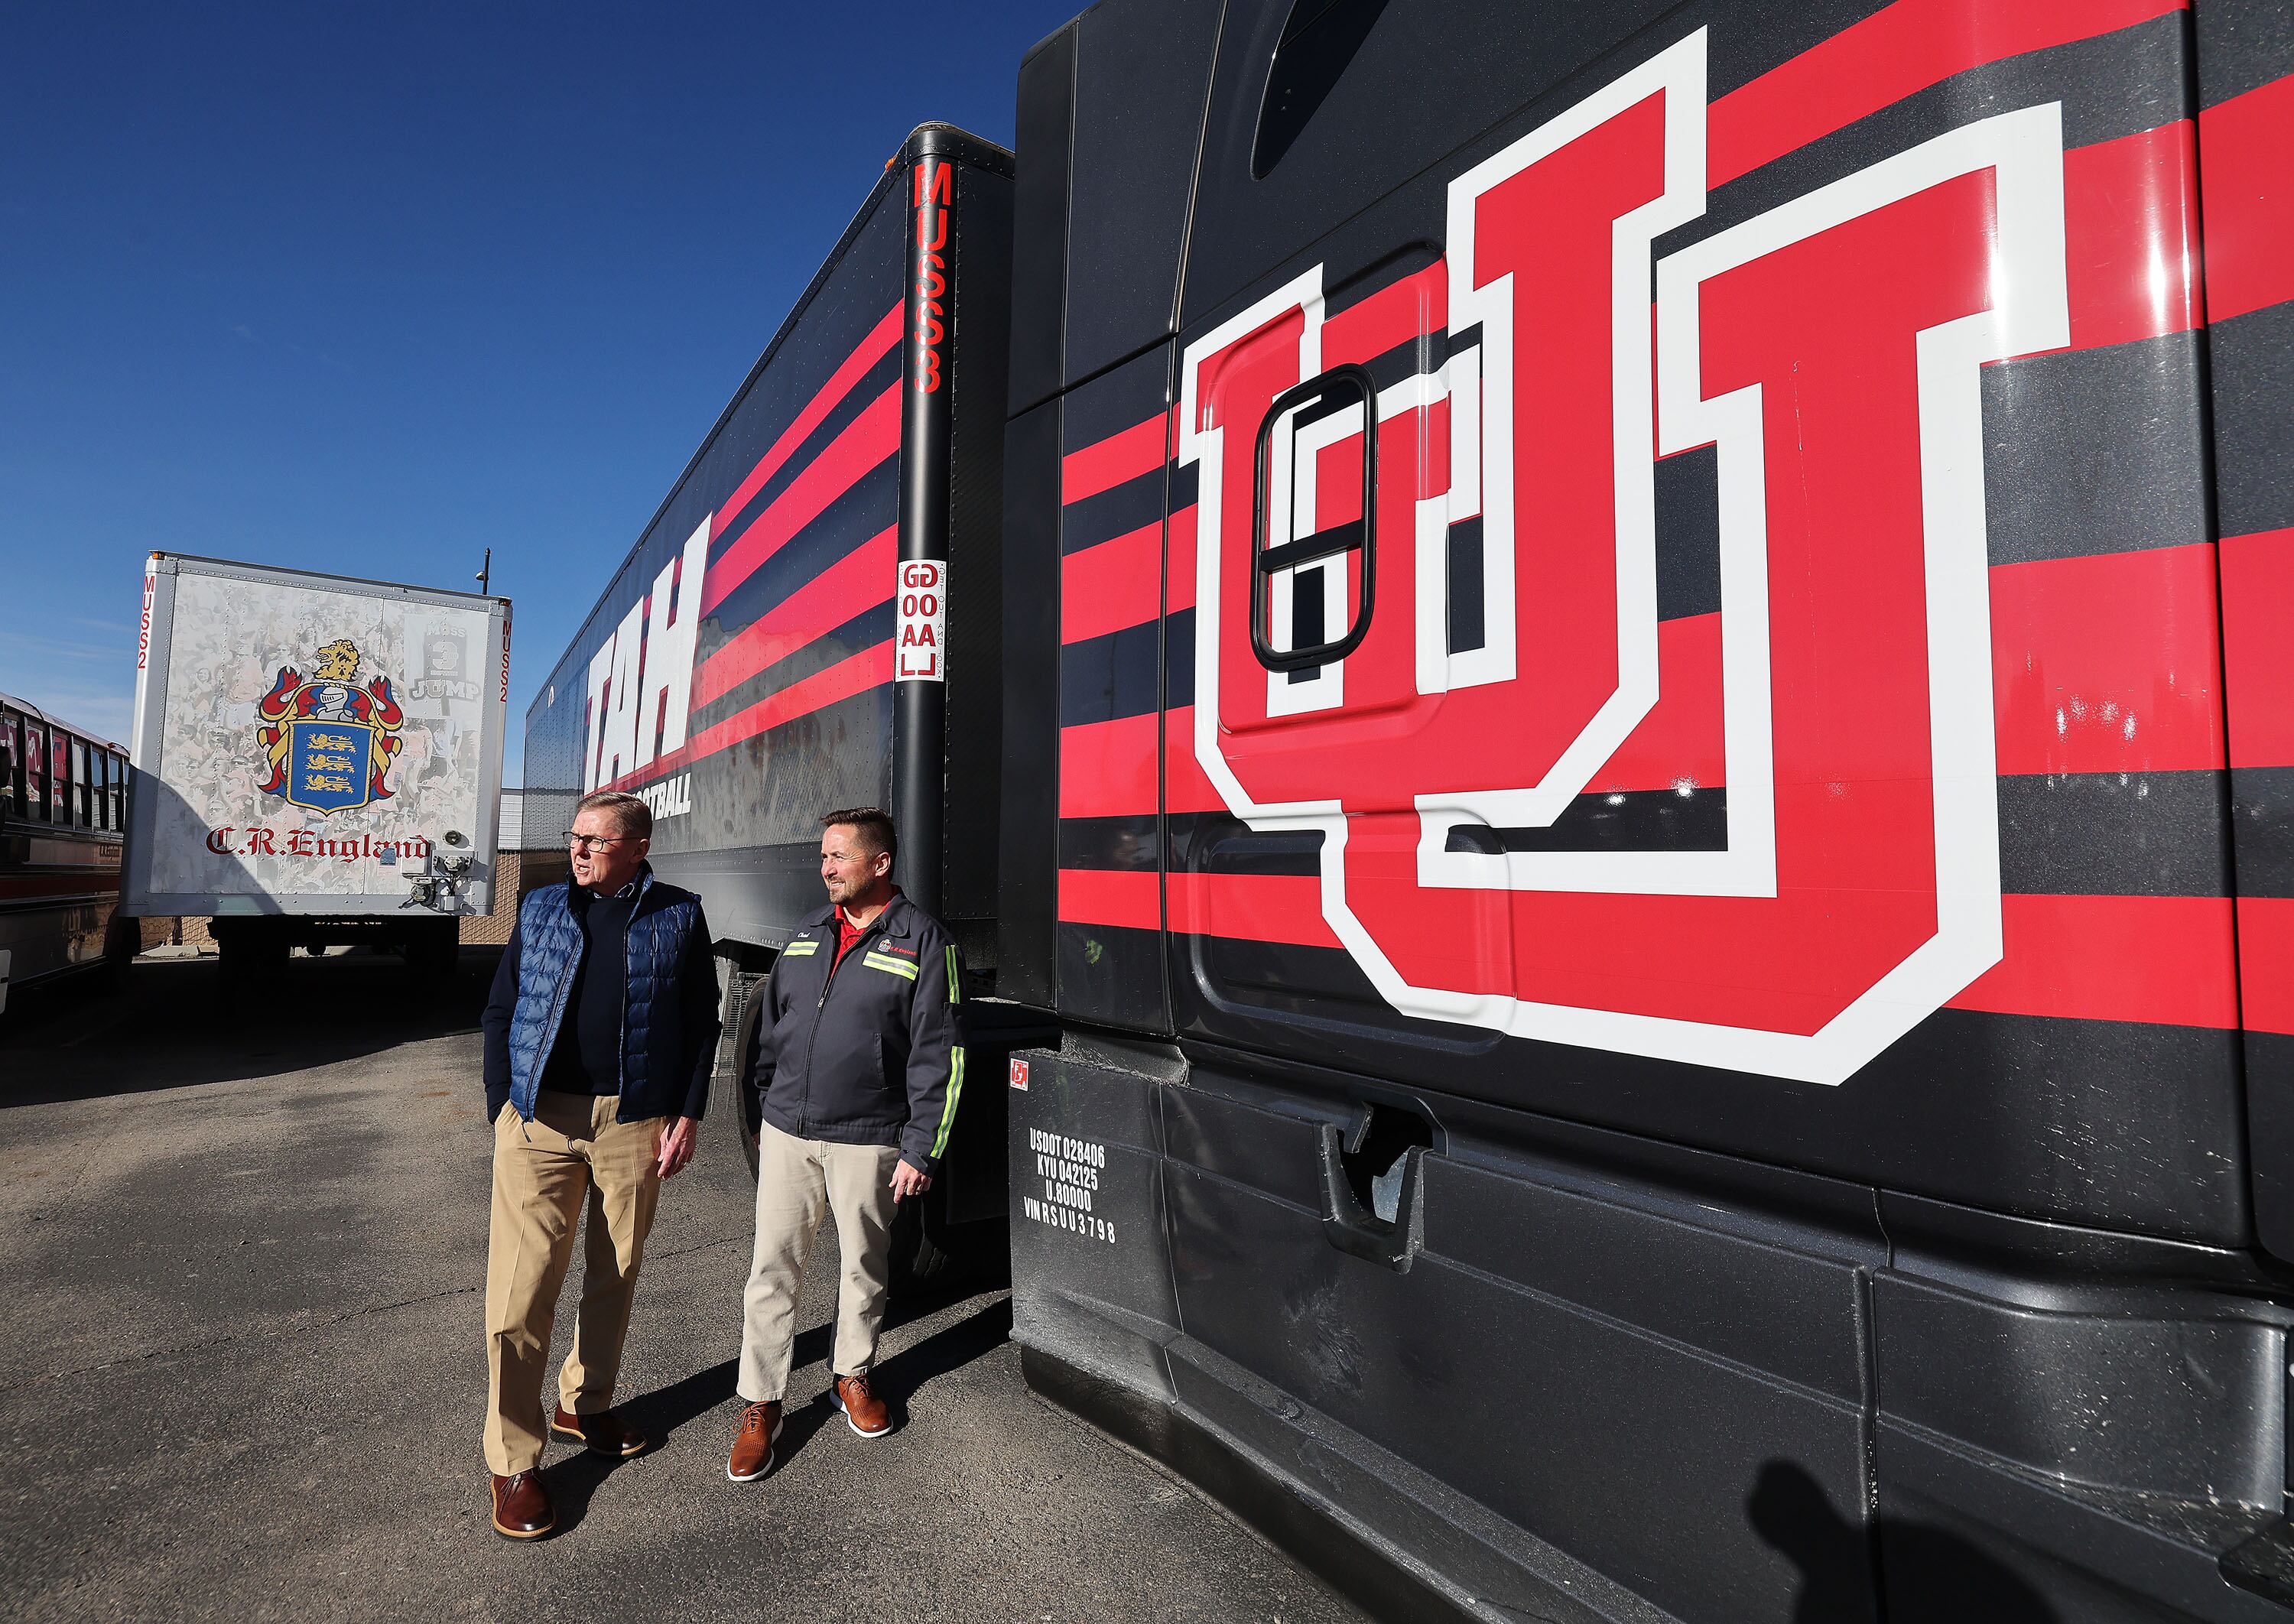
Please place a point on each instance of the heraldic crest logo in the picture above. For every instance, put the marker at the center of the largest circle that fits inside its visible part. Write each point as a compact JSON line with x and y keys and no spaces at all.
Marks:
{"x":329,"y":741}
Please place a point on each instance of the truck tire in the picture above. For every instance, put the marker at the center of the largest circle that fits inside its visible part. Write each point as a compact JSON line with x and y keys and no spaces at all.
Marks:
{"x":122,"y":940}
{"x":248,"y":951}
{"x":917,"y":1261}
{"x":737,"y":1002}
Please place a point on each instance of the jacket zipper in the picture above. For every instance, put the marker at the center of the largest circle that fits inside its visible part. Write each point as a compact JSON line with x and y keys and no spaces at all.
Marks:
{"x":622,"y":1043}
{"x":835,"y":959}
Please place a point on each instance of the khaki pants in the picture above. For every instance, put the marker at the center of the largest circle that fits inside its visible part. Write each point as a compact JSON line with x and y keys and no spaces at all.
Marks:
{"x":799,"y":1181}
{"x":572,"y":1153}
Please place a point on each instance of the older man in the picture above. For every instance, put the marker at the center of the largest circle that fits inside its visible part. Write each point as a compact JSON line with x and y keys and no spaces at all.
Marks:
{"x":601,"y":1036}
{"x":857,"y":1062}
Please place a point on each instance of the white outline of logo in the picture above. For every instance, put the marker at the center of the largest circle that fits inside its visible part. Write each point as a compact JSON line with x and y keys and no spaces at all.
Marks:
{"x":2030,"y":314}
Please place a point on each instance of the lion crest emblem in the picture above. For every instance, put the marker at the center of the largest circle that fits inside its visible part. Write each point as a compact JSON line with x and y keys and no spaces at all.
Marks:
{"x":328,"y":741}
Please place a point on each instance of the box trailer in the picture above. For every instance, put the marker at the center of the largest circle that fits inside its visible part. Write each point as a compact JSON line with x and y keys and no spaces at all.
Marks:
{"x":1655,"y":796}
{"x":781,"y":640}
{"x":317,"y":759}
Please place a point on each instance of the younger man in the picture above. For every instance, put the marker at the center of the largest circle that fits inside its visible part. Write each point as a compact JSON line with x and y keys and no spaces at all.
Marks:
{"x":857,"y":1065}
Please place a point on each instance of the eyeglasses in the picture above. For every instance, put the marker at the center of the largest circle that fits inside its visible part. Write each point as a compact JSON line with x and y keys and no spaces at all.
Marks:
{"x":589,"y":842}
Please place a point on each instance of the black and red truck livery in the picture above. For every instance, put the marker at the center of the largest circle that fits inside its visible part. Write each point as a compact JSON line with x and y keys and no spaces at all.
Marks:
{"x":1644,"y":759}
{"x":1667,"y":792}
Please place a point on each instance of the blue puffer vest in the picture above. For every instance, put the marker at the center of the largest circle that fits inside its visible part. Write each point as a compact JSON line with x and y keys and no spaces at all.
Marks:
{"x":656,"y":1059}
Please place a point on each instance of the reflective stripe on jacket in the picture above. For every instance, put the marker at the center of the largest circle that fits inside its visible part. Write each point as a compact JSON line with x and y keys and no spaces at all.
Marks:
{"x":867,"y":1051}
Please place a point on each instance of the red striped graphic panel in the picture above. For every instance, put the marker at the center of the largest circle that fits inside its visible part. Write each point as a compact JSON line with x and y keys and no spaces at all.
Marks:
{"x":1251,"y":908}
{"x":1107,"y":770}
{"x":1893,"y":53}
{"x":2265,"y":951}
{"x":2151,"y":960}
{"x":1107,"y":463}
{"x":2157,"y":960}
{"x":2258,"y":631}
{"x":1111,"y":587}
{"x":2131,"y":237}
{"x":1130,"y":899}
{"x":2246,"y":165}
{"x":873,"y":348}
{"x":854,"y":584}
{"x":2110,"y":663}
{"x":868,"y":440}
{"x":856,"y":674}
{"x":2103,"y":664}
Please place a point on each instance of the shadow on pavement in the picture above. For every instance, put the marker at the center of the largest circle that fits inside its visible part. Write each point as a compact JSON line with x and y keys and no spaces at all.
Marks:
{"x":166,"y":1025}
{"x":570,"y":1483}
{"x":661,"y":1412}
{"x":952,"y":1348}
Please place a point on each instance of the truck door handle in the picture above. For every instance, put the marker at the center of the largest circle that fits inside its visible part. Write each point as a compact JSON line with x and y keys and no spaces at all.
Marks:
{"x":1355,"y":1229}
{"x":1342,"y":388}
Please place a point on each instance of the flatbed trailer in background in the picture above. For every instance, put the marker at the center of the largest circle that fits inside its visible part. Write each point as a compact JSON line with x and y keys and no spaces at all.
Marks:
{"x":318,"y":760}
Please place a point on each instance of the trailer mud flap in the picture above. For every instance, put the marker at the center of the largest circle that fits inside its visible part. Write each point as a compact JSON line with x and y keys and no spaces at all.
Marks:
{"x":1090,"y":1267}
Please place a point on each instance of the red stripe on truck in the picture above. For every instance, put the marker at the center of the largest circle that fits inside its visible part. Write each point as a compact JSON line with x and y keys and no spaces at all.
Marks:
{"x":1129,"y":899}
{"x":2265,"y":953}
{"x":2246,"y":166}
{"x":2257,"y":616}
{"x":871,"y":668}
{"x":1111,"y":586}
{"x":864,"y":442}
{"x":1241,"y":907}
{"x":1118,"y":584}
{"x":855,"y":367}
{"x":1107,"y":770}
{"x":2151,"y":960}
{"x":1104,"y":464}
{"x":2131,"y":237}
{"x":1892,"y":54}
{"x":1251,"y":908}
{"x":2108,"y":663}
{"x":855,"y":583}
{"x":2161,"y":961}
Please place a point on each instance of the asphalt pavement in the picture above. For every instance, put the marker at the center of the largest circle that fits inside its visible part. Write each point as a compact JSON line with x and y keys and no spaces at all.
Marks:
{"x":241,"y":1366}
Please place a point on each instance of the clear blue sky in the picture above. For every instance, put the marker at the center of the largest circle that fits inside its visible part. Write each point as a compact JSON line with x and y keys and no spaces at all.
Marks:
{"x":369,"y":289}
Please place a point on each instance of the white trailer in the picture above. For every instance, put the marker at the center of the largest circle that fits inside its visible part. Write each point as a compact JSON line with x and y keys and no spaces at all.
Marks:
{"x":317,"y":759}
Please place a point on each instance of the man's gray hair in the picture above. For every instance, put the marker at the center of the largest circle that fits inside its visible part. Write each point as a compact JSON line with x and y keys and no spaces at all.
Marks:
{"x":631,"y":812}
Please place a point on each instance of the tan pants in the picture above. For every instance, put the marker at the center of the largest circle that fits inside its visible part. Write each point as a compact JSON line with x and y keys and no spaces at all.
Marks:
{"x":572,"y":1153}
{"x":799,"y":1181}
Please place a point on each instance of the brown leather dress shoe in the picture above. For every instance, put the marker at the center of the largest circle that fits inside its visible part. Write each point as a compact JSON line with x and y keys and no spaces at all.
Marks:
{"x":605,"y":1432}
{"x":522,"y":1507}
{"x":753,"y":1445}
{"x":864,"y":1411}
